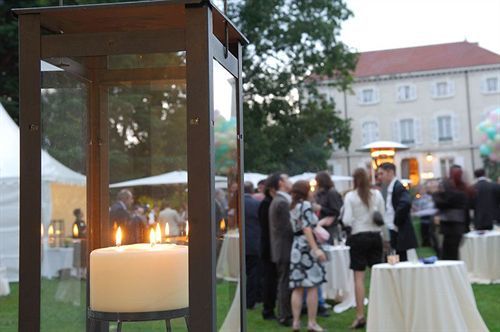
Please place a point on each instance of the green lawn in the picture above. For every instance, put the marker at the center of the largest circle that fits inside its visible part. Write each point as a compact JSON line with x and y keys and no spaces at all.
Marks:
{"x":64,"y":317}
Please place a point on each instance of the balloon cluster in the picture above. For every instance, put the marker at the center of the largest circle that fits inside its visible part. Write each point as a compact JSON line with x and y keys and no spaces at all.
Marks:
{"x":490,"y":136}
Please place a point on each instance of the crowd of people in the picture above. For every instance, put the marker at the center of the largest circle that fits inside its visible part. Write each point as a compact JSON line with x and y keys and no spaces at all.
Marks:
{"x":285,"y":225}
{"x":136,"y":219}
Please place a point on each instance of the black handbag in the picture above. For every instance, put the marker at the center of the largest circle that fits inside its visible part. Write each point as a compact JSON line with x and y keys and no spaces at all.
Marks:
{"x":378,"y":219}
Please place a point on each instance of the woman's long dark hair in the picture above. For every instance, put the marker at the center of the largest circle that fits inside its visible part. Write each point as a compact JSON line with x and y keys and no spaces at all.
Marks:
{"x":457,"y":180}
{"x":300,"y":192}
{"x":362,"y":185}
{"x":324,"y":180}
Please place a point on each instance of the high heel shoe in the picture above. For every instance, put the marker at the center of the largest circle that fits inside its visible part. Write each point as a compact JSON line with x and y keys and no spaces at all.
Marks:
{"x":358,"y":323}
{"x":314,"y":328}
{"x":296,"y":327}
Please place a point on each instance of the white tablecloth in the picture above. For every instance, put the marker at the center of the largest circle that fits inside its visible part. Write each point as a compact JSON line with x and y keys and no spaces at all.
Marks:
{"x":232,"y":322}
{"x":228,"y":262}
{"x":417,"y":297}
{"x":4,"y":282}
{"x":339,"y":278}
{"x":55,"y":259}
{"x":481,"y":254}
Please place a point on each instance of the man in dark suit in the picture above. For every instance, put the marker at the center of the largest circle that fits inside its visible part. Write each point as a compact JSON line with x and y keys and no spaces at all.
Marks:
{"x":486,"y":201}
{"x":252,"y":245}
{"x":397,"y":215}
{"x":281,"y":235}
{"x":269,"y":274}
{"x":119,"y":213}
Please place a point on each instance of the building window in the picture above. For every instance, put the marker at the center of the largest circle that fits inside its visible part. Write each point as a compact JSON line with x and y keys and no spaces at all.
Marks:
{"x":407,"y":131}
{"x":443,"y":89}
{"x":491,"y":84}
{"x":368,"y":96}
{"x":369,"y":132}
{"x":445,"y":164}
{"x":445,"y":133}
{"x":406,"y":92}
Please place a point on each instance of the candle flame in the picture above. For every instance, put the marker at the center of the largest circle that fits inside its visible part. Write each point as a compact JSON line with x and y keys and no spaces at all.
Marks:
{"x":51,"y":230}
{"x":152,"y":238}
{"x":158,"y":233}
{"x":187,"y":228}
{"x":167,"y":230}
{"x":118,"y":238}
{"x":223,"y":225}
{"x":75,"y":231}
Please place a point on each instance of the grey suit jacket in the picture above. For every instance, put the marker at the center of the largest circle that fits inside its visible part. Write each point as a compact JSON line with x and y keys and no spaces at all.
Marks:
{"x":280,"y":230}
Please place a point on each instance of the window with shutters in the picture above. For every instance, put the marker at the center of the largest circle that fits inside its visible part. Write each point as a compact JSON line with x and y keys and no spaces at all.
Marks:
{"x":443,"y":89}
{"x":444,"y":127}
{"x":369,"y":132}
{"x":406,"y":92}
{"x":407,"y":131}
{"x":445,"y":164}
{"x":368,"y":96}
{"x":491,"y":84}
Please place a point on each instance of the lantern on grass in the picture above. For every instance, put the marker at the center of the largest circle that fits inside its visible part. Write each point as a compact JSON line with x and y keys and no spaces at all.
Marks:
{"x":123,"y":91}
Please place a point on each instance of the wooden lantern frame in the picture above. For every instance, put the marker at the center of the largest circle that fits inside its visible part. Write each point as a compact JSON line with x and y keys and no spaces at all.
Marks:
{"x":97,"y":31}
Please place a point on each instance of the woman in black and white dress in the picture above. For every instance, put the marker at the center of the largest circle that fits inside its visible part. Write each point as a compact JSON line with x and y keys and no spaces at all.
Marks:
{"x":306,"y":268}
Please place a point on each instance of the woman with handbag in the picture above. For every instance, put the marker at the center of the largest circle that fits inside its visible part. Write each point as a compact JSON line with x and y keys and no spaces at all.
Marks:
{"x":306,"y":257}
{"x":363,"y":208}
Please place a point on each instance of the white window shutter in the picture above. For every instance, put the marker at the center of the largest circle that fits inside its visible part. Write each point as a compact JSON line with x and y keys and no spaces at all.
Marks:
{"x":413,"y":92}
{"x":395,"y":131}
{"x":359,"y":95}
{"x":418,"y":134}
{"x":434,"y":89}
{"x":399,"y":95}
{"x":376,"y":131}
{"x":484,"y":86}
{"x":435,"y":130}
{"x":376,"y":95}
{"x":455,"y":128}
{"x":364,"y":137}
{"x":451,"y":88}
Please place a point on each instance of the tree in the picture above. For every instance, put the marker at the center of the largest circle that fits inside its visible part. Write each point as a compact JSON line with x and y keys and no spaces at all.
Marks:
{"x":9,"y":66}
{"x":292,"y":43}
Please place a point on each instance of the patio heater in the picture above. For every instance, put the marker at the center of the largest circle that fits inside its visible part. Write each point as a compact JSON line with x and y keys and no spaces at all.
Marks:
{"x":381,"y":152}
{"x":122,"y":91}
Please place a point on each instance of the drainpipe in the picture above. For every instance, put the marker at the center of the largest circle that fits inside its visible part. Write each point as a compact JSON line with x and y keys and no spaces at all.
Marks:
{"x":347,"y":149}
{"x":469,"y":117}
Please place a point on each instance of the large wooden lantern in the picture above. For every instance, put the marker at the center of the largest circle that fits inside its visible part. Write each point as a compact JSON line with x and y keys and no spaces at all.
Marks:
{"x":141,"y":103}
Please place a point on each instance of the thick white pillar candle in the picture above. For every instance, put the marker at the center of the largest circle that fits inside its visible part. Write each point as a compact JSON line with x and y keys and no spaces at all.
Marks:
{"x":139,"y":278}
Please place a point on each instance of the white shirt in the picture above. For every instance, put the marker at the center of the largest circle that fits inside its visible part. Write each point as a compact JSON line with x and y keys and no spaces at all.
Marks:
{"x":358,"y":215}
{"x":389,"y":209}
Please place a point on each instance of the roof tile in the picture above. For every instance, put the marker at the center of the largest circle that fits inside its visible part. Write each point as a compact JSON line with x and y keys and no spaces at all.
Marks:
{"x":424,"y":58}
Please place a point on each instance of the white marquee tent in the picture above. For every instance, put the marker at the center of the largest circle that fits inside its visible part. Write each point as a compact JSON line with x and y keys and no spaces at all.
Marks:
{"x":175,"y":177}
{"x":53,"y":172}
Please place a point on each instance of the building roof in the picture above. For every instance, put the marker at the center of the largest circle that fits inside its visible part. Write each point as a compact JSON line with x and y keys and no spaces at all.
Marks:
{"x":424,"y":58}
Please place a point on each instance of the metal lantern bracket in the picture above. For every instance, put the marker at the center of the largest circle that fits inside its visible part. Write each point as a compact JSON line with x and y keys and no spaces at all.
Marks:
{"x":120,"y":317}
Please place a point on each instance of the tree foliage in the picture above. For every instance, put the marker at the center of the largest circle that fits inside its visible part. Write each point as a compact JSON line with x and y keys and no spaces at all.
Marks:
{"x":292,"y":43}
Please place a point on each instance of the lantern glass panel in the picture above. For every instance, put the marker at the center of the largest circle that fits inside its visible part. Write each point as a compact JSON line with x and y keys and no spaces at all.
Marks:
{"x":63,"y":224}
{"x":145,"y":99}
{"x":227,"y":202}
